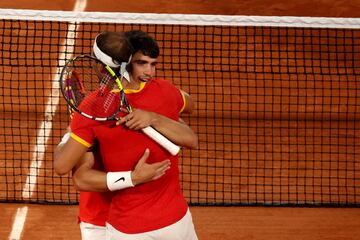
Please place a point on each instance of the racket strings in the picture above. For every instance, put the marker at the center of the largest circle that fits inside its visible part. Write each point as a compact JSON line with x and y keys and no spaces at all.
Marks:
{"x":105,"y":100}
{"x":91,"y":89}
{"x":108,"y":90}
{"x":71,"y":87}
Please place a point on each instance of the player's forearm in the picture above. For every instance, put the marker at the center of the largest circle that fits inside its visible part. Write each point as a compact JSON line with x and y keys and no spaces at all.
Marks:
{"x":90,"y":180}
{"x":176,"y":131}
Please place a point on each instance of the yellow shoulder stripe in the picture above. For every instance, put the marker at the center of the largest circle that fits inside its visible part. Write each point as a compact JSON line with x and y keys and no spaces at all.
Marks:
{"x":141,"y":87}
{"x":128,"y":91}
{"x":184,"y":100}
{"x":80,"y":140}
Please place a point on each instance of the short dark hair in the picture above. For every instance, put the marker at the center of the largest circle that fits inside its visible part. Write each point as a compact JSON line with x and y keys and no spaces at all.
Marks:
{"x":116,"y":45}
{"x":142,"y":41}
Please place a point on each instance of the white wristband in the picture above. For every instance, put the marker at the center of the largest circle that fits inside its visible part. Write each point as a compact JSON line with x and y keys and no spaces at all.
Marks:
{"x":118,"y":180}
{"x":65,"y":138}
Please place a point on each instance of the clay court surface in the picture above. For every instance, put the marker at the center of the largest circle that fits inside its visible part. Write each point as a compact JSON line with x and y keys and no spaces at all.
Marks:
{"x":212,"y":223}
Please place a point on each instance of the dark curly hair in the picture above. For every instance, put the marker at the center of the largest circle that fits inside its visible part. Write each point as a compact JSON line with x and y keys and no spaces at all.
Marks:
{"x":142,"y":41}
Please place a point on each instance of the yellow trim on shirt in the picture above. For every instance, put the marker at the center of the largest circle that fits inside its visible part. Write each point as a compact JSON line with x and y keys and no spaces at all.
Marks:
{"x":80,"y":140}
{"x":141,"y":87}
{"x":184,"y":100}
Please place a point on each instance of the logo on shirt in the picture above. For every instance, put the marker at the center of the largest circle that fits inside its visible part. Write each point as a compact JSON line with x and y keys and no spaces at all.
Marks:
{"x":120,"y":179}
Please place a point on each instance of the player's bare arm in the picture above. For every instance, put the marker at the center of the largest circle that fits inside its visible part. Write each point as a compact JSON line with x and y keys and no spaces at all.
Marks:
{"x":176,"y":131}
{"x":67,"y":155}
{"x":88,"y":179}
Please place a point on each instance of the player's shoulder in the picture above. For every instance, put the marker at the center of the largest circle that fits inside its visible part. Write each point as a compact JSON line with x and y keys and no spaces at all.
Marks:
{"x":80,"y":121}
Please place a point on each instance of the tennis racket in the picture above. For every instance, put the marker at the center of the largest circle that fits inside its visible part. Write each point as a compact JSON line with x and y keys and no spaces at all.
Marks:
{"x":92,"y":89}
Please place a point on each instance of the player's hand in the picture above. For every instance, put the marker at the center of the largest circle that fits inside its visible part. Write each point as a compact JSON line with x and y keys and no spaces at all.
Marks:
{"x":137,"y":119}
{"x":145,"y":172}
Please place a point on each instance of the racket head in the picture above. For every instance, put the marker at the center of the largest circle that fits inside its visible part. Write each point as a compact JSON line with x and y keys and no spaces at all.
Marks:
{"x":91,"y":89}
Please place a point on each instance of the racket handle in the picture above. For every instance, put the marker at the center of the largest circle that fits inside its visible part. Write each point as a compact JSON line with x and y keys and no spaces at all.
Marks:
{"x":163,"y":141}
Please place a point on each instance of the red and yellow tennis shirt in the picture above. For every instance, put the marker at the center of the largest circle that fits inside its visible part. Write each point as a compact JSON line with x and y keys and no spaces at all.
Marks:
{"x":148,"y":206}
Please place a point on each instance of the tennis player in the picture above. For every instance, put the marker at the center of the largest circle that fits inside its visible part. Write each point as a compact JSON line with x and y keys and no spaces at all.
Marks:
{"x":157,"y":209}
{"x":94,"y":206}
{"x":176,"y":220}
{"x":94,"y":197}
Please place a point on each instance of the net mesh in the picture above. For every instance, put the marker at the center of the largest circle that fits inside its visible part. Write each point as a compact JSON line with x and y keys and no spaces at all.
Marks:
{"x":277,"y":110}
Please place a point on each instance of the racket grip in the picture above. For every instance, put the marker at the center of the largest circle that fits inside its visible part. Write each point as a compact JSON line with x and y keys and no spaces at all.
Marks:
{"x":161,"y":140}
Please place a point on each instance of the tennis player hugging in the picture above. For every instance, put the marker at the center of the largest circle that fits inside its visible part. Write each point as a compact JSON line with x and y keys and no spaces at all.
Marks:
{"x":128,"y":179}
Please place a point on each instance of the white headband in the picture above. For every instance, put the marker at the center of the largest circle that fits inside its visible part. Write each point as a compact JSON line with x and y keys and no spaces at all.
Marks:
{"x":109,"y":61}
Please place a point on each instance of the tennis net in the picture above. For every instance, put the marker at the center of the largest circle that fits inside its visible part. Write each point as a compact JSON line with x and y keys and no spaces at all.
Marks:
{"x":277,"y":106}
